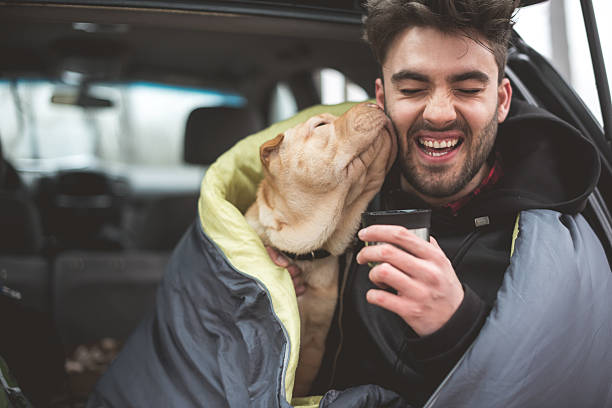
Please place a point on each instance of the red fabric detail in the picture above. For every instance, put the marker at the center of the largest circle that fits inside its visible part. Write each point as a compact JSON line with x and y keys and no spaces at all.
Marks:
{"x":493,"y":177}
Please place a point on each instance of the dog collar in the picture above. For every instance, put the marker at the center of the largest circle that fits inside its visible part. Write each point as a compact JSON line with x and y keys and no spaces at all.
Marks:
{"x":309,"y":256}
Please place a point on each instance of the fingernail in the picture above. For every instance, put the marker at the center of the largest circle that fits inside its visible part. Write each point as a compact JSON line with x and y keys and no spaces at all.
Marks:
{"x":361,"y":232}
{"x":282,"y":261}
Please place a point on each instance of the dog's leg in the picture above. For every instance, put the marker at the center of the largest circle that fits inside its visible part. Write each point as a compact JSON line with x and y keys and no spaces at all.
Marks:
{"x":316,"y":311}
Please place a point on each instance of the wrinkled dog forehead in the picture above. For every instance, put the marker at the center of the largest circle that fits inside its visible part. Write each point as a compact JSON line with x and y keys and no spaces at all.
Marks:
{"x":314,"y":124}
{"x":304,"y":145}
{"x":321,"y":118}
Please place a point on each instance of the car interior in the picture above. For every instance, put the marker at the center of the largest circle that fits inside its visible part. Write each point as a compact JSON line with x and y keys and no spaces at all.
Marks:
{"x":83,"y":247}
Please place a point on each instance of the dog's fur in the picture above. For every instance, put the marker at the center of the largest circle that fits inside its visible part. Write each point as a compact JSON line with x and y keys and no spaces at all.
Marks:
{"x":318,"y":178}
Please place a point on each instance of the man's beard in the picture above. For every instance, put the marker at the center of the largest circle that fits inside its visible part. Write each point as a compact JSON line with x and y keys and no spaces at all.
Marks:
{"x":439,"y":181}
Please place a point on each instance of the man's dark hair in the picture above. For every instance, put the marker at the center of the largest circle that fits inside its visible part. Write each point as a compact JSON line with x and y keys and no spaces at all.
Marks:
{"x":491,"y":19}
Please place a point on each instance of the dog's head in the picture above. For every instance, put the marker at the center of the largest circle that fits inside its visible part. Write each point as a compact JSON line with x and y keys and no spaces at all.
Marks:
{"x":321,"y":174}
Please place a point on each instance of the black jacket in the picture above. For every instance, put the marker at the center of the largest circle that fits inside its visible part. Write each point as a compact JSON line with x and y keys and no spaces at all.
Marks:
{"x":546,"y":164}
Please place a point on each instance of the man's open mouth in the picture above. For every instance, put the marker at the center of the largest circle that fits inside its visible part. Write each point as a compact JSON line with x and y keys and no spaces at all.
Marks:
{"x":439,"y":147}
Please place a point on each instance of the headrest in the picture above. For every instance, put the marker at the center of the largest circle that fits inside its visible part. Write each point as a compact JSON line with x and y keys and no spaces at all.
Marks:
{"x":212,"y":131}
{"x":2,"y":170}
{"x":9,"y":178}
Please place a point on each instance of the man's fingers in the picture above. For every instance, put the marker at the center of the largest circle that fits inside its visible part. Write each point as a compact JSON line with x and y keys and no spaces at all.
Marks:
{"x":398,"y":258}
{"x":277,"y":257}
{"x":434,"y":242}
{"x":386,"y":276}
{"x":398,"y":236}
{"x":386,"y":300}
{"x":298,"y":280}
{"x":299,"y":286}
{"x":295,"y":272}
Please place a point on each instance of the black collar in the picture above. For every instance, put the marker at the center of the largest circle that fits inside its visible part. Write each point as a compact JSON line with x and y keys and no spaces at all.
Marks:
{"x":309,"y":256}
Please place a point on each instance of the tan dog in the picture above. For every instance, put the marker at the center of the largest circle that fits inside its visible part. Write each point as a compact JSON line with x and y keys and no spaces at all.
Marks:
{"x":318,"y":178}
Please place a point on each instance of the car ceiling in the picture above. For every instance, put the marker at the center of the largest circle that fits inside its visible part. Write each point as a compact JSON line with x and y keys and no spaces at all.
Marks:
{"x":241,"y":46}
{"x":226,"y":51}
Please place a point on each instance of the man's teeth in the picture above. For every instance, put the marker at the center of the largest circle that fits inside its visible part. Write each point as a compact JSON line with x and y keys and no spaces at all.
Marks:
{"x":439,"y":144}
{"x":447,"y":145}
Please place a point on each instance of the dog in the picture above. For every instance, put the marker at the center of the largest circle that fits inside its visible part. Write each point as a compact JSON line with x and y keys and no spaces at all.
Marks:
{"x":319,"y":176}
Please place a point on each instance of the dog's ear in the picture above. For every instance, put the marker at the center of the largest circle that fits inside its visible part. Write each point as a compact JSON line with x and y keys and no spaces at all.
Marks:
{"x":270,"y":147}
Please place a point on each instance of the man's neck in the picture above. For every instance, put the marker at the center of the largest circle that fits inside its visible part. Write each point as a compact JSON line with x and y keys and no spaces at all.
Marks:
{"x":440,"y":201}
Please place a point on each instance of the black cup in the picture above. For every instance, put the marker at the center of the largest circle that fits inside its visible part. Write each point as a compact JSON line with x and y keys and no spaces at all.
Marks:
{"x":416,"y":220}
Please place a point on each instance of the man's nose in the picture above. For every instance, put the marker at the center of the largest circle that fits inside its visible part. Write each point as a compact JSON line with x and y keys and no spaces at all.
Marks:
{"x":439,"y":110}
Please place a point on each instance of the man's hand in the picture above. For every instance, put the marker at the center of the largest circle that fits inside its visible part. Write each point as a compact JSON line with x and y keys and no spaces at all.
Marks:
{"x":428,"y":290}
{"x":294,"y":271}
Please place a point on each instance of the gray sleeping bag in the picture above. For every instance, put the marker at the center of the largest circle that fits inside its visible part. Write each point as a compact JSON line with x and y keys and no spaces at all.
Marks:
{"x":548,"y":340}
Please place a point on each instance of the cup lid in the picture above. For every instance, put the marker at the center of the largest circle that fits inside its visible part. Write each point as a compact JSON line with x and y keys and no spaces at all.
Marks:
{"x":409,"y":218}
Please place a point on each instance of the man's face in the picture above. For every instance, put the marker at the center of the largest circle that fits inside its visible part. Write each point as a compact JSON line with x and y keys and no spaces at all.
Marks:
{"x":443,"y":97}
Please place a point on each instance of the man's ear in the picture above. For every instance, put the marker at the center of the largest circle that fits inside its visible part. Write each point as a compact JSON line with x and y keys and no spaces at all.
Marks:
{"x":504,"y":96}
{"x":270,"y":147}
{"x":380,"y":93}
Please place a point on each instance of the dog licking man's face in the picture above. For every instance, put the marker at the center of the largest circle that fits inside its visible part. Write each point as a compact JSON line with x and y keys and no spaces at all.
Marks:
{"x":320,"y":175}
{"x":328,"y":153}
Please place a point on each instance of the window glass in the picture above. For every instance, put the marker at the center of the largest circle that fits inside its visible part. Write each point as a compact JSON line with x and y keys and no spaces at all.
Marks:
{"x":283,"y":104}
{"x":137,"y":123}
{"x":336,"y":88}
{"x":584,"y":78}
{"x":333,"y":87}
{"x":556,"y":30}
{"x":533,"y":25}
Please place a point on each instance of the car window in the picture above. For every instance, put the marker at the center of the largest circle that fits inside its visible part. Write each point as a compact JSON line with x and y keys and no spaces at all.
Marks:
{"x":133,"y":130}
{"x":332,"y":87}
{"x":556,"y":30}
{"x":283,"y":104}
{"x":335,"y":87}
{"x":134,"y":123}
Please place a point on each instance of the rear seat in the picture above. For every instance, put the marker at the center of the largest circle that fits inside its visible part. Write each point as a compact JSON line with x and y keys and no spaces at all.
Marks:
{"x":29,"y":278}
{"x":98,"y":291}
{"x":163,"y":221}
{"x":20,"y":224}
{"x":103,"y":294}
{"x":28,"y":340}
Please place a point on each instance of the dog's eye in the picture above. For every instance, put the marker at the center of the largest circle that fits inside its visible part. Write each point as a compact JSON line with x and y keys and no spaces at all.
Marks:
{"x":320,"y":124}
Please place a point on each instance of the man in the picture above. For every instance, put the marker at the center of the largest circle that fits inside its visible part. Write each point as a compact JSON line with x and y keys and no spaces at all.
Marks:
{"x":442,"y":85}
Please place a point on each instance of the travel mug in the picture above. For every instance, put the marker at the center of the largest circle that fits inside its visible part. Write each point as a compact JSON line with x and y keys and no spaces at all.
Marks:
{"x":416,"y":220}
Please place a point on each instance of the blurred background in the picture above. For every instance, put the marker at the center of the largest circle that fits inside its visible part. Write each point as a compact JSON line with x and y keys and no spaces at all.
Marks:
{"x":556,"y":30}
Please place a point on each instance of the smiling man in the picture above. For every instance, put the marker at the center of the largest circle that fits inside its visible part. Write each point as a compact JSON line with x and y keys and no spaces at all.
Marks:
{"x":442,"y":93}
{"x":443,"y":87}
{"x":445,"y":97}
{"x":495,"y":176}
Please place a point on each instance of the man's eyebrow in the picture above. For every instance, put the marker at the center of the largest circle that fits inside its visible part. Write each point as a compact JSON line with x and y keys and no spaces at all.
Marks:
{"x":408,"y":75}
{"x":470,"y":75}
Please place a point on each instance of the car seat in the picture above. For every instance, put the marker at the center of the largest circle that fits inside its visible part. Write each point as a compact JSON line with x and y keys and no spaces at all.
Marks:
{"x":20,"y":226}
{"x":211,"y":131}
{"x":83,"y":209}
